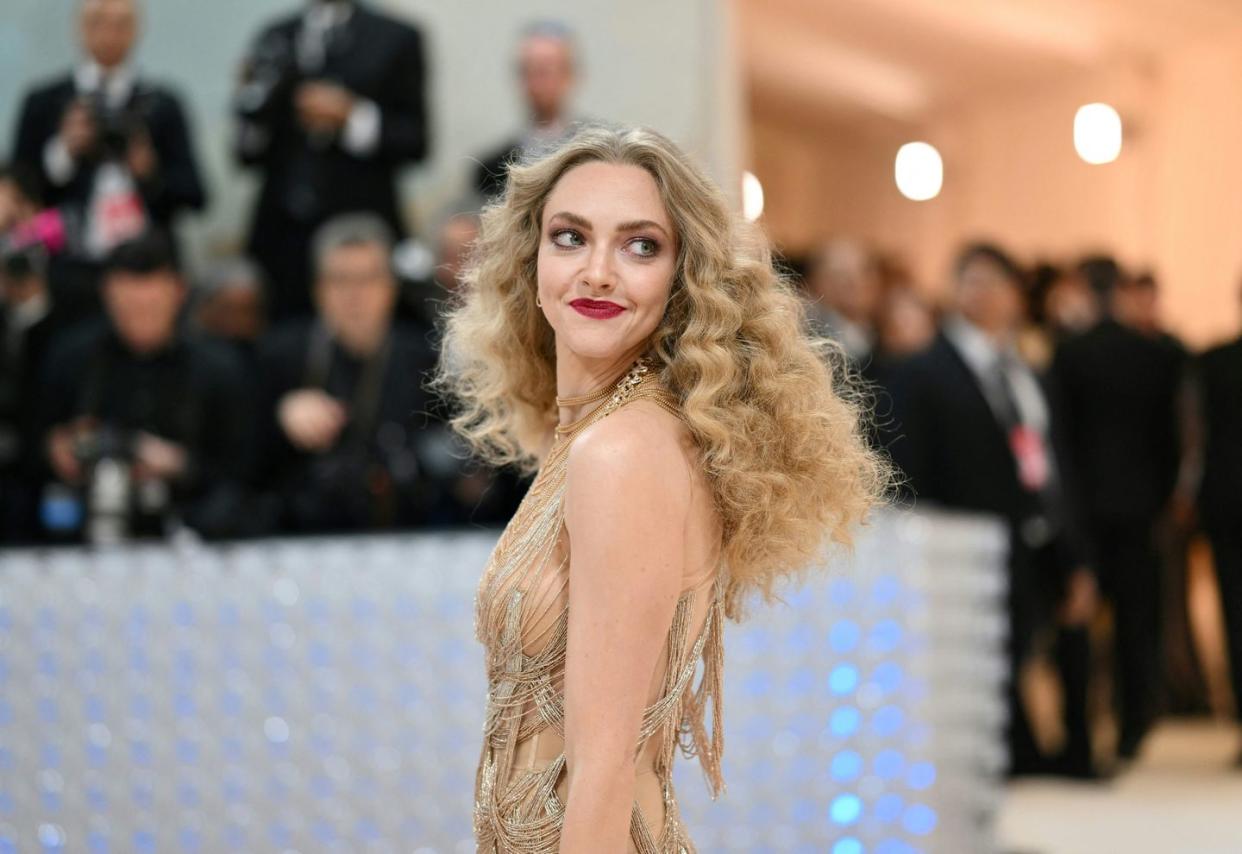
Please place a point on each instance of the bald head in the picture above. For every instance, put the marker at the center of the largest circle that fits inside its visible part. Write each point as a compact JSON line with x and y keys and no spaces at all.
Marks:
{"x":109,"y":29}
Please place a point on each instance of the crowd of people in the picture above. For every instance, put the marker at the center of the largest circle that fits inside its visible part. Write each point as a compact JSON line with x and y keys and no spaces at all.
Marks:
{"x":282,"y":392}
{"x":279,"y":391}
{"x":1052,"y":397}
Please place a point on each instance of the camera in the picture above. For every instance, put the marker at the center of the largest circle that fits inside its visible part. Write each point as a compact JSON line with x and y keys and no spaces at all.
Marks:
{"x":269,"y":75}
{"x":116,"y":506}
{"x":116,"y":126}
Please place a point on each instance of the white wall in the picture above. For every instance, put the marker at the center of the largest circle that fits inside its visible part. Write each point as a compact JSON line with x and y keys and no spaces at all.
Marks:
{"x":645,"y":61}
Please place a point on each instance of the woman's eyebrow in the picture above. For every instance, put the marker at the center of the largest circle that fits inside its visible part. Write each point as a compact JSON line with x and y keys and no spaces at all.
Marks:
{"x":639,"y":224}
{"x":632,"y":225}
{"x":573,"y":218}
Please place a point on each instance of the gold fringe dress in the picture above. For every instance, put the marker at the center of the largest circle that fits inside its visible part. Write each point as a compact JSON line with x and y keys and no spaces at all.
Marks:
{"x":521,"y":618}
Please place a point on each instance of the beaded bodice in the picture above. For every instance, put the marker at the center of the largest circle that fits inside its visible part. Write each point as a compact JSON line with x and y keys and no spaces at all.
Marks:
{"x":521,"y":618}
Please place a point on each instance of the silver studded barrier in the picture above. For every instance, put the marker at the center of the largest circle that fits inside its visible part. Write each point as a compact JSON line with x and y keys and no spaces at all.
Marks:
{"x":325,"y":695}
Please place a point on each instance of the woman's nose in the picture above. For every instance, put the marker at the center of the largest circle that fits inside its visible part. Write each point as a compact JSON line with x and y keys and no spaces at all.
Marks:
{"x":599,"y":272}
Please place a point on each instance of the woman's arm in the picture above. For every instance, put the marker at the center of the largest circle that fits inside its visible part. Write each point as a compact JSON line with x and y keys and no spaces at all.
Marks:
{"x":627,"y":497}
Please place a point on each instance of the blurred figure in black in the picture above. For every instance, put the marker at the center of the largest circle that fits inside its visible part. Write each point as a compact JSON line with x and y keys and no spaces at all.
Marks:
{"x":1220,"y":382}
{"x":1184,"y":689}
{"x":112,"y":150}
{"x":227,"y":304}
{"x":433,"y":277}
{"x":976,"y":433}
{"x":843,"y":285}
{"x":905,"y":323}
{"x":1119,"y":390}
{"x":467,"y":493}
{"x":26,"y":328}
{"x":145,"y":425}
{"x":1061,"y":304}
{"x":547,"y":71}
{"x":331,"y":105}
{"x":343,"y":396}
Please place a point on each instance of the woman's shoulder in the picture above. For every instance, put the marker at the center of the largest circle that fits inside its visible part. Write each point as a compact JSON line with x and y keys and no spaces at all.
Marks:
{"x":641,"y":433}
{"x":639,"y":448}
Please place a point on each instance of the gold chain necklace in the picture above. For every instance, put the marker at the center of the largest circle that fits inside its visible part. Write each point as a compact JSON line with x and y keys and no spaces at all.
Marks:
{"x":590,"y":397}
{"x":618,"y":390}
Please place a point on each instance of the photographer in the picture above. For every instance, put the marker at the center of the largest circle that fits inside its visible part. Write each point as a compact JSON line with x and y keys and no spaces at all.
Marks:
{"x":26,"y":327}
{"x":344,"y":402}
{"x":144,"y":425}
{"x":330,"y":105}
{"x":111,"y":149}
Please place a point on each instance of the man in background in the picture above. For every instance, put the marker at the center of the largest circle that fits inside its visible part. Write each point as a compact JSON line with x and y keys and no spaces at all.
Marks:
{"x":547,"y":71}
{"x":26,"y":328}
{"x":976,"y":433}
{"x":107,"y":141}
{"x":1220,"y":505}
{"x":330,"y":106}
{"x":343,"y":402}
{"x":111,"y":149}
{"x":1119,"y":389}
{"x":145,"y":427}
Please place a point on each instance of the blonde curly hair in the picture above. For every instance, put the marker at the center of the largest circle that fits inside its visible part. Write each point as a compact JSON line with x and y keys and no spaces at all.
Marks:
{"x":779,"y":425}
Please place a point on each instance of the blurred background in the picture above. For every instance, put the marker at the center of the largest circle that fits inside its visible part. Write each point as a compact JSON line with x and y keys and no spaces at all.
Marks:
{"x":227,"y":234}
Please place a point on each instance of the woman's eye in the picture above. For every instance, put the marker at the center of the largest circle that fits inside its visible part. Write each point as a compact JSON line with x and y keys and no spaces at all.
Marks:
{"x":644,"y":246}
{"x":567,"y":238}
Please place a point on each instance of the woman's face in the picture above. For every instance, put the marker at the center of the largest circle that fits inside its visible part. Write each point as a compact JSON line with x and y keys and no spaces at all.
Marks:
{"x":607,"y":257}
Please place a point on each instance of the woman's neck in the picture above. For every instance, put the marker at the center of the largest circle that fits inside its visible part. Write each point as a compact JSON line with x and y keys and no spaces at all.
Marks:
{"x":576,"y":376}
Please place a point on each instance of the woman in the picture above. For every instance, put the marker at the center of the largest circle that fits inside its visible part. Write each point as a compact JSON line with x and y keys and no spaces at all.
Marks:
{"x":624,"y":334}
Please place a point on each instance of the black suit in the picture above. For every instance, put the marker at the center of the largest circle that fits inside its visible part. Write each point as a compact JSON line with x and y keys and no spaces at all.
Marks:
{"x":176,"y":185}
{"x":956,"y":453}
{"x":192,"y":392}
{"x":493,"y":169}
{"x":22,"y":355}
{"x":306,"y":182}
{"x":492,"y":172}
{"x":1118,"y":393}
{"x":1220,"y":377}
{"x":372,"y":476}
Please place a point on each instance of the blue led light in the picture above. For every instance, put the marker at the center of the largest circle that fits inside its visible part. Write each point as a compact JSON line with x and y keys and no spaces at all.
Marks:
{"x":846,"y":766}
{"x":842,"y":591}
{"x":844,"y":721}
{"x":886,"y":590}
{"x":144,"y":840}
{"x":759,"y":684}
{"x":849,"y":845}
{"x":843,"y":679}
{"x":885,"y":636}
{"x":887,"y":720}
{"x":844,"y":636}
{"x":919,"y":820}
{"x":889,"y":764}
{"x":894,"y":846}
{"x":801,"y":682}
{"x":845,"y":809}
{"x":804,"y":811}
{"x":888,"y":676}
{"x":921,"y":776}
{"x":888,"y":807}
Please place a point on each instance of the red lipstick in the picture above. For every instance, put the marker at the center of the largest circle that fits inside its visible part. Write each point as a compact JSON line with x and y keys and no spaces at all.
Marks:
{"x":598,"y":309}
